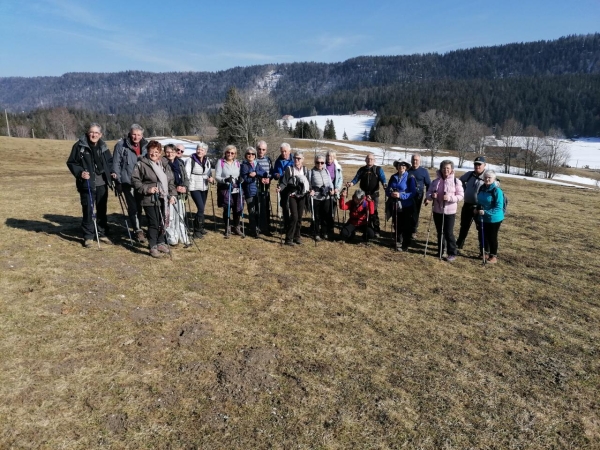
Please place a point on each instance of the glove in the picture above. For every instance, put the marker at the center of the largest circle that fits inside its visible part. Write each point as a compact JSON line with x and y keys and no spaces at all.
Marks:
{"x":229,"y":180}
{"x":118,"y":189}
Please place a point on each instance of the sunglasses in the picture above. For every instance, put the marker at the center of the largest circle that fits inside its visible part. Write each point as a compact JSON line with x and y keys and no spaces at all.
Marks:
{"x":320,"y":162}
{"x":250,"y":154}
{"x":179,"y":151}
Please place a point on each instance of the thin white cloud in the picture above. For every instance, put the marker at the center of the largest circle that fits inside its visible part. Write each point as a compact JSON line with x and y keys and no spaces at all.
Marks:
{"x":327,"y":43}
{"x":75,"y":13}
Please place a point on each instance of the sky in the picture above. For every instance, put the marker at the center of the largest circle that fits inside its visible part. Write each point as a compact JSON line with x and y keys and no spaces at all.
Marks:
{"x":53,"y":37}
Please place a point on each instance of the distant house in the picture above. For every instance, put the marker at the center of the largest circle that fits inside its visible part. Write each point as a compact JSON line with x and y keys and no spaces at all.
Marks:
{"x":365,"y":112}
{"x":287,"y":117}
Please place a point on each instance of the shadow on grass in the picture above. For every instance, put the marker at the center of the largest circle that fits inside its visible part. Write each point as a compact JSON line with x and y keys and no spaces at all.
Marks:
{"x":69,"y":229}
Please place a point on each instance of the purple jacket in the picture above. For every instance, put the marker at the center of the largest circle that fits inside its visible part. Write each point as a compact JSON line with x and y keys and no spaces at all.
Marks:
{"x":452,"y":187}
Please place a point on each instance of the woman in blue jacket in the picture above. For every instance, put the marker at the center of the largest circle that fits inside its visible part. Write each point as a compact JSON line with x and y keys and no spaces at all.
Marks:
{"x":251,"y":173}
{"x":490,"y":211}
{"x":401,"y":192}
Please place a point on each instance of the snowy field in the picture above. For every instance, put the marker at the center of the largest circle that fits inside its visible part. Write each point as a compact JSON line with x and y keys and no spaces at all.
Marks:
{"x":353,"y":125}
{"x":584,"y":151}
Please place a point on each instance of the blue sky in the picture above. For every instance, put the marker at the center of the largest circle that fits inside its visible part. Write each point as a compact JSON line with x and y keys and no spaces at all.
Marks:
{"x":52,"y":37}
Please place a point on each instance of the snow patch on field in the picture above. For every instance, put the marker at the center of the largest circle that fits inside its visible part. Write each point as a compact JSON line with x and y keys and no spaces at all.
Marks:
{"x":354,"y":125}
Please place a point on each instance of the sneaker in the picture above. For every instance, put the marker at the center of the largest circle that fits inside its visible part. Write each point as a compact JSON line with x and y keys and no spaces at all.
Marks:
{"x":237,"y":230}
{"x":318,"y":238}
{"x":298,"y":241}
{"x":105,"y":240}
{"x":140,"y":237}
{"x":398,"y":247}
{"x":227,"y":232}
{"x":203,"y":231}
{"x":290,"y":243}
{"x":155,"y":253}
{"x":414,"y":236}
{"x":451,"y":258}
{"x":492,"y":259}
{"x":88,"y":243}
{"x":164,"y":248}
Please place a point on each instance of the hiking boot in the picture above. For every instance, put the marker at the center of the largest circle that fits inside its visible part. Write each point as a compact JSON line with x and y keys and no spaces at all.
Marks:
{"x":140,"y":237}
{"x":105,"y":240}
{"x":155,"y":253}
{"x":318,"y":238}
{"x":414,"y":236}
{"x":203,"y":230}
{"x":377,"y":235}
{"x":164,"y":248}
{"x":492,"y":259}
{"x":198,"y":234}
{"x":88,"y":243}
{"x":227,"y":232}
{"x":290,"y":243}
{"x":237,"y":231}
{"x":398,"y":247}
{"x":298,"y":241}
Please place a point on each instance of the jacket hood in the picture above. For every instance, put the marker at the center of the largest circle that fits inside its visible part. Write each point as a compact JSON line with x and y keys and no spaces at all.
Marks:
{"x":84,"y":142}
{"x":438,"y":173}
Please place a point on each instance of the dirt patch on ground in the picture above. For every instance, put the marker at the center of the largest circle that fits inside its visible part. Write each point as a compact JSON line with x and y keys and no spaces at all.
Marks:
{"x":189,"y":333}
{"x":248,"y":377}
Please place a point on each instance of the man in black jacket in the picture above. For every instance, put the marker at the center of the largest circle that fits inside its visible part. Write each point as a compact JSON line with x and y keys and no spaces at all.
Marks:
{"x":90,"y":162}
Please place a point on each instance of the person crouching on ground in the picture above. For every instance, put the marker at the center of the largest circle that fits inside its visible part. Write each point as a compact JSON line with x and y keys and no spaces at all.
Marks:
{"x":293,"y":186}
{"x":445,"y":192}
{"x":402,"y":191}
{"x":153,"y":179}
{"x":361,"y":208}
{"x":490,"y":212}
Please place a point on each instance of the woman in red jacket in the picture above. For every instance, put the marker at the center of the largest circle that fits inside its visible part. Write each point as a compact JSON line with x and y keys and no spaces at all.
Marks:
{"x":360,"y":209}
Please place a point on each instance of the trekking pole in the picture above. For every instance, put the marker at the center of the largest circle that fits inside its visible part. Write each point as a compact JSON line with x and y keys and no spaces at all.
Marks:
{"x":181,"y":199}
{"x":312,"y":212}
{"x":442,"y":242}
{"x":395,"y":222}
{"x":188,"y":216}
{"x":119,"y":196}
{"x":228,"y":212}
{"x":241,"y":201}
{"x":482,"y":237}
{"x":212,"y":200}
{"x":428,"y":230}
{"x":161,"y":219}
{"x":93,"y":211}
{"x":280,"y":220}
{"x":187,"y":230}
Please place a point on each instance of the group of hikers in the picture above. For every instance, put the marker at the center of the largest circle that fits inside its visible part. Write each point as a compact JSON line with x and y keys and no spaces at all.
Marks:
{"x":146,"y":179}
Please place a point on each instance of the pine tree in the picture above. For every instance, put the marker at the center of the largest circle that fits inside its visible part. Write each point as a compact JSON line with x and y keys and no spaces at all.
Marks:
{"x":345,"y":136}
{"x":233,"y":121}
{"x":332,"y":134}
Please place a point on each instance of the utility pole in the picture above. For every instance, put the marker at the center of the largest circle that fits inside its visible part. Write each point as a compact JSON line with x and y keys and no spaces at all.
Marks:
{"x":7,"y":127}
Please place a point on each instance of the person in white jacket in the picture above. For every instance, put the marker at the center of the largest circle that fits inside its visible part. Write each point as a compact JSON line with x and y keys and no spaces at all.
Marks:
{"x":199,"y":174}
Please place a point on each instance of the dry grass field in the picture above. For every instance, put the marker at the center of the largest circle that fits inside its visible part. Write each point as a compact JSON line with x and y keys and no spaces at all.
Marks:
{"x":246,"y":344}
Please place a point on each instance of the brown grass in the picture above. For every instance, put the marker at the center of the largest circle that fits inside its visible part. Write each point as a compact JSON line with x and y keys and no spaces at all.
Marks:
{"x":247,"y":344}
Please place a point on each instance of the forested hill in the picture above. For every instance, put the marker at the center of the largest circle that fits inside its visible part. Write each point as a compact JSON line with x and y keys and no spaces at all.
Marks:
{"x":504,"y":80}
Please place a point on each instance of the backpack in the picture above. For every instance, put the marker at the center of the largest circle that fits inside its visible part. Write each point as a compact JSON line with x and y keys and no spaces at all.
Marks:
{"x":367,"y":183}
{"x":505,"y":203}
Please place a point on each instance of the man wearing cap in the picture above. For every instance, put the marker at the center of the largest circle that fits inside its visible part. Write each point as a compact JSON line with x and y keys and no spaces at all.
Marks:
{"x":369,"y":177}
{"x":471,"y":181}
{"x":421,"y":175}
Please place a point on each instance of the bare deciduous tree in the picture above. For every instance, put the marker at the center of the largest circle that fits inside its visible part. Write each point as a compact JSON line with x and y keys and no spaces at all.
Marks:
{"x":532,"y":154}
{"x":437,"y":126}
{"x":387,"y":136}
{"x":469,"y":137}
{"x":511,"y":131}
{"x":160,"y":122}
{"x":555,"y":154}
{"x":203,"y":127}
{"x":62,"y":123}
{"x":409,"y":135}
{"x":21,"y":131}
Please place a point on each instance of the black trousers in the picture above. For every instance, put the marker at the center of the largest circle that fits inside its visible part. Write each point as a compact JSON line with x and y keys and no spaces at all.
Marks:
{"x":253,"y":206}
{"x":490,"y":237}
{"x":296,"y":209}
{"x":156,"y":226}
{"x":403,"y":225}
{"x":283,"y":204}
{"x":98,"y":202}
{"x":466,"y":219}
{"x":134,"y":206}
{"x":323,"y":217}
{"x":374,"y":218}
{"x":449,"y":240}
{"x":348,"y":231}
{"x":199,"y":198}
{"x":264,"y":207}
